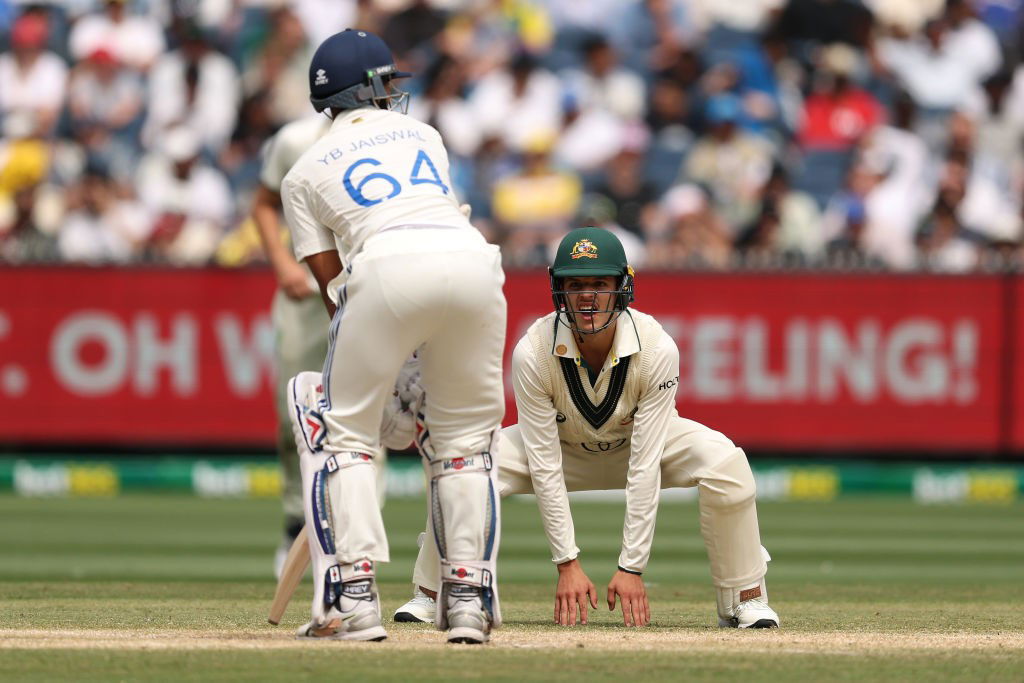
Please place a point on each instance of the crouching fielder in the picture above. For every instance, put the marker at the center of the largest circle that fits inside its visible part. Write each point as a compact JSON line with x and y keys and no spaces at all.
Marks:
{"x":374,"y":193}
{"x":595,"y":385}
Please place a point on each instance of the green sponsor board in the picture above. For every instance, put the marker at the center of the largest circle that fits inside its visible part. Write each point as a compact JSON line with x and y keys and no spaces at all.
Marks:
{"x":262,"y":478}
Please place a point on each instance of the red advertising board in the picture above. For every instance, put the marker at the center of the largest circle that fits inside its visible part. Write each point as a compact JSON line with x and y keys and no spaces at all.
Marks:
{"x":135,"y":357}
{"x":787,"y":362}
{"x":803,"y":362}
{"x":1014,"y":408}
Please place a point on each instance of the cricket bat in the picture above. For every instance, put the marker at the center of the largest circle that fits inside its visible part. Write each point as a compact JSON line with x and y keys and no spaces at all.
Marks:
{"x":291,"y":576}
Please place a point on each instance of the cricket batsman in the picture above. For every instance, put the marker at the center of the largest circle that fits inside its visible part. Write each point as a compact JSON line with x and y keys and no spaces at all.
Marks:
{"x":595,"y":384}
{"x":401,"y":269}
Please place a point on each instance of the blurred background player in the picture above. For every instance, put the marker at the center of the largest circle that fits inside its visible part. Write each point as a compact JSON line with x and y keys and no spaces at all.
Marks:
{"x":300,"y":328}
{"x":372,"y":213}
{"x":595,"y":386}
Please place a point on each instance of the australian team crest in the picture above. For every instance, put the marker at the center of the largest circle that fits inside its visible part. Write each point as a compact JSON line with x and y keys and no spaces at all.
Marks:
{"x":583,"y":249}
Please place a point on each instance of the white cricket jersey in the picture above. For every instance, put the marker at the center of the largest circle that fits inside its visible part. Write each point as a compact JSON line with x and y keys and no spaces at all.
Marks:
{"x":372,"y":170}
{"x":631,"y":403}
{"x":287,"y":145}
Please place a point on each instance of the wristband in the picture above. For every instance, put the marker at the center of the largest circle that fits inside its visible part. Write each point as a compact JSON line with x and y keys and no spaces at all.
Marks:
{"x":630,"y":571}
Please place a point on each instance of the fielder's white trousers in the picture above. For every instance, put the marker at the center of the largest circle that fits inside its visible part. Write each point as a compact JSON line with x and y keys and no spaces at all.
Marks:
{"x":695,"y":455}
{"x":436,"y":287}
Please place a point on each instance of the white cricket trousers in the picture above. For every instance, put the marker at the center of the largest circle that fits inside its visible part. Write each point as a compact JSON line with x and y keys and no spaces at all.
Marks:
{"x":410,"y":286}
{"x":694,"y":455}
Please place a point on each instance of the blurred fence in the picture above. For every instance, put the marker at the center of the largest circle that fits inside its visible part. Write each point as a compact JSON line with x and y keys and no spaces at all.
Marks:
{"x":237,"y":478}
{"x":794,"y":363}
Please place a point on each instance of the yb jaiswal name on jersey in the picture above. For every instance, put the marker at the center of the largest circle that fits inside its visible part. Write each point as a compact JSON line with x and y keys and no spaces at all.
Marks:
{"x":371,"y":142}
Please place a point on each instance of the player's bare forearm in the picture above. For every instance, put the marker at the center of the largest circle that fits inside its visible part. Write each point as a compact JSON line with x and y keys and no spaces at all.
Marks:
{"x":291,"y":276}
{"x":629,"y":589}
{"x":573,"y":592}
{"x":325,"y":267}
{"x":265,"y":206}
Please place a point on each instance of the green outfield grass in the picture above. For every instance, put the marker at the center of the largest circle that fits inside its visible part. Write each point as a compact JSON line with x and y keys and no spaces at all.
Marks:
{"x":176,"y":588}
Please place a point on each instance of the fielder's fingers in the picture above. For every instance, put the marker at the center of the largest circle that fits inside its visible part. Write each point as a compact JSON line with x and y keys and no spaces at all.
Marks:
{"x":581,"y":600}
{"x":611,"y":599}
{"x":627,"y":611}
{"x":593,"y":595}
{"x":647,"y":611}
{"x":557,"y":601}
{"x":563,"y":611}
{"x":572,"y":610}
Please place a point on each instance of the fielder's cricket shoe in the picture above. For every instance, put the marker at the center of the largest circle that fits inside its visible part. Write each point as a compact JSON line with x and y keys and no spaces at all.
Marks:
{"x":467,"y":621}
{"x":751,"y":614}
{"x":420,"y":610}
{"x":746,"y":606}
{"x":356,"y":616}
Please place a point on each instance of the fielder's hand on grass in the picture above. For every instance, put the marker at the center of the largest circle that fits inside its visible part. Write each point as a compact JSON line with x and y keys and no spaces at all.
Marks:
{"x":573,"y":592}
{"x":630,"y":589}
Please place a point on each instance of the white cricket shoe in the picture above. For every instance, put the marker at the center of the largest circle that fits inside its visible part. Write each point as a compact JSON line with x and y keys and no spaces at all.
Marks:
{"x":467,"y":620}
{"x":356,"y":617}
{"x":751,"y":614}
{"x":420,"y":610}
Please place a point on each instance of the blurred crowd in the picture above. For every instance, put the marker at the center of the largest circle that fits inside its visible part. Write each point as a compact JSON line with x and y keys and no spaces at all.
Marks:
{"x":713,"y":134}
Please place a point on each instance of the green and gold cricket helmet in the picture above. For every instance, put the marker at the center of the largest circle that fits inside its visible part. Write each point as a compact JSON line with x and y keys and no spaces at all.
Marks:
{"x":591,"y":252}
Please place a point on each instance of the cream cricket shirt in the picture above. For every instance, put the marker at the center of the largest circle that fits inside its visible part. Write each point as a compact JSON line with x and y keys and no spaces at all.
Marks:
{"x":373,"y":169}
{"x":630,"y":406}
{"x":287,"y":145}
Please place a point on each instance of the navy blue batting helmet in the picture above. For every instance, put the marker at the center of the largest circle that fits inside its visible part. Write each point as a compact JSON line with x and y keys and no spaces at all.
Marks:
{"x":350,"y":70}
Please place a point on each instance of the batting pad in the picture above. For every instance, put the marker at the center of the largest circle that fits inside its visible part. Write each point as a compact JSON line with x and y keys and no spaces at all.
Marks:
{"x":465,"y":514}
{"x":335,"y":540}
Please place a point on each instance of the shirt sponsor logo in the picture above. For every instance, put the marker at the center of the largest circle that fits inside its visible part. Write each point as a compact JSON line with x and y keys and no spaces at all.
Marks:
{"x":669,"y":383}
